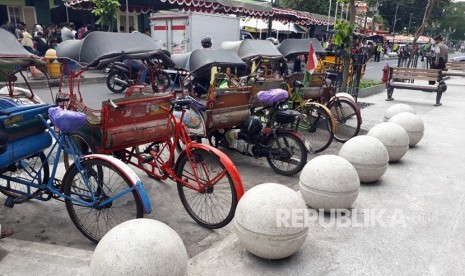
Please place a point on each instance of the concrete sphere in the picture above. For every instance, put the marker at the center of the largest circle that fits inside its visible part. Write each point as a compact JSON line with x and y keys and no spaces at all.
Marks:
{"x":412,"y":124}
{"x":396,"y":109}
{"x":140,"y":247}
{"x":263,"y":221}
{"x":329,"y":182}
{"x":368,"y":155}
{"x":394,"y":137}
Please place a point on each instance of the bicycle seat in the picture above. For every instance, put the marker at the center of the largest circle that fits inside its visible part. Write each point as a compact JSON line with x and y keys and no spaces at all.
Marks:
{"x":331,"y":75}
{"x":298,"y":84}
{"x":181,"y":103}
{"x":66,"y":120}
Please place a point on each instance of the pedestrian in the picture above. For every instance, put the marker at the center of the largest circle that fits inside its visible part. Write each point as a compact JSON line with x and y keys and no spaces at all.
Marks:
{"x":66,"y":32}
{"x":89,"y":29}
{"x":206,"y":42}
{"x":40,"y":45}
{"x":440,"y":55}
{"x":378,"y":51}
{"x":26,"y":39}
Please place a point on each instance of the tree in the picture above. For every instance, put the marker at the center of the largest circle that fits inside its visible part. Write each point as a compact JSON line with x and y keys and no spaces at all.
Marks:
{"x":313,"y":6}
{"x":106,"y":11}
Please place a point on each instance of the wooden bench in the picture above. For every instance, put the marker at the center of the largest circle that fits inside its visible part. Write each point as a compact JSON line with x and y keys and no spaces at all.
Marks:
{"x":455,"y":68}
{"x":403,"y":78}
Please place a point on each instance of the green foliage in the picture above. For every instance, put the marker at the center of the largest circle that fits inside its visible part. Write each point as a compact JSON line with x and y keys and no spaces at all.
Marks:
{"x":368,"y":83}
{"x":106,"y":11}
{"x":343,"y":35}
{"x":313,"y":6}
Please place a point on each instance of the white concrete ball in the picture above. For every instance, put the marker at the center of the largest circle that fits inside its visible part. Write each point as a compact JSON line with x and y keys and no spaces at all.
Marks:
{"x":412,"y":124}
{"x":394,"y":137}
{"x":329,"y":182}
{"x":368,"y":155}
{"x":263,"y":221}
{"x":140,"y":247}
{"x":396,"y":109}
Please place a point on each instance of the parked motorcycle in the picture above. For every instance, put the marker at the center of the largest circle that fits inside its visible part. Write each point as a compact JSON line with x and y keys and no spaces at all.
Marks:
{"x":121,"y":76}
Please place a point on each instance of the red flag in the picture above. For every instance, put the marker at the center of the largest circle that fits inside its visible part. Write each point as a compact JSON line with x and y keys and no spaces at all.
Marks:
{"x":312,"y":61}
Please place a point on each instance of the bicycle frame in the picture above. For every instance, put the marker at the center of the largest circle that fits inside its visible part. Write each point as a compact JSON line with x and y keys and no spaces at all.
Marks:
{"x":64,"y":143}
{"x":180,"y":136}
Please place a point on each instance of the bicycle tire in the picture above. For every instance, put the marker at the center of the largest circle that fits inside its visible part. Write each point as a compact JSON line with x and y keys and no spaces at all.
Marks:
{"x":286,"y":155}
{"x":112,"y":85}
{"x":348,"y":122}
{"x":190,"y":198}
{"x":316,"y":126}
{"x":81,"y":143}
{"x":98,"y":170}
{"x":39,"y":165}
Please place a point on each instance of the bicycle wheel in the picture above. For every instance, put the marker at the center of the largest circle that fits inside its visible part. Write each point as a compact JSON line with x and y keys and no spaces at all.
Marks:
{"x":34,"y":169}
{"x":104,"y":180}
{"x":348,"y":122}
{"x":316,"y":126}
{"x":215,"y":206}
{"x":287,"y":155}
{"x":81,"y":144}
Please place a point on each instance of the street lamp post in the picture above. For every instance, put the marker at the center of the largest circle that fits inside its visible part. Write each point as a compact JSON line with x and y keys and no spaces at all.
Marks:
{"x":329,"y":14}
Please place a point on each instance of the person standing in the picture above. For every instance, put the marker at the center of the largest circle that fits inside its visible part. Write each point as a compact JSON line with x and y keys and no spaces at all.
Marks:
{"x":66,"y":32}
{"x":378,"y":51}
{"x":26,"y":39}
{"x":440,"y":55}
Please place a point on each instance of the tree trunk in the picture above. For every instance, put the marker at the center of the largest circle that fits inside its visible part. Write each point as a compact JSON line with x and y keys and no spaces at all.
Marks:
{"x":419,"y":32}
{"x":345,"y":72}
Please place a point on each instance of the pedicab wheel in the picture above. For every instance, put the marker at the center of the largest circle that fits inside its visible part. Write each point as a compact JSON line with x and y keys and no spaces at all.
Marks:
{"x":348,"y":121}
{"x":287,"y":154}
{"x":99,"y":180}
{"x":26,"y":170}
{"x":82,"y":144}
{"x":213,"y":206}
{"x":316,"y":126}
{"x":113,"y":85}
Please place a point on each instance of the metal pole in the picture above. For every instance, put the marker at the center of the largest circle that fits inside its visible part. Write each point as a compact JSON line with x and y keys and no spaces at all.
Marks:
{"x":329,"y":14}
{"x":67,"y":14}
{"x":365,"y":25}
{"x":394,"y":26}
{"x":347,"y":11}
{"x":270,"y":23}
{"x":335,"y":14}
{"x":127,"y":16}
{"x":342,"y":10}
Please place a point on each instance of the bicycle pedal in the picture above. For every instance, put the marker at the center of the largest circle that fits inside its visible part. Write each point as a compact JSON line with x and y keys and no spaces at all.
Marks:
{"x":9,"y":202}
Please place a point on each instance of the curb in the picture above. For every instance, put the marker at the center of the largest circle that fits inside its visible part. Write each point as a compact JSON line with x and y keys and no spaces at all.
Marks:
{"x":42,"y":84}
{"x":372,"y":90}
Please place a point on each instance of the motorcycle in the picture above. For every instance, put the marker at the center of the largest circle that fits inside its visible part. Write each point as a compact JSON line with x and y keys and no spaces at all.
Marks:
{"x":120,"y":76}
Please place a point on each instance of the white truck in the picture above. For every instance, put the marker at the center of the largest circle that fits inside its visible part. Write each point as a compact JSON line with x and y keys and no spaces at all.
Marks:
{"x":181,"y":32}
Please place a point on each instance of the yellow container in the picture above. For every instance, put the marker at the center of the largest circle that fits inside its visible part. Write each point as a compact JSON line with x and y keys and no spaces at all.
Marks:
{"x":53,"y":66}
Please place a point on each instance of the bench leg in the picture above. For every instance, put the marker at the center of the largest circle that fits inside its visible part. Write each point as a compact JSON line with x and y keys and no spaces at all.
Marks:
{"x":438,"y":97}
{"x":390,"y":90}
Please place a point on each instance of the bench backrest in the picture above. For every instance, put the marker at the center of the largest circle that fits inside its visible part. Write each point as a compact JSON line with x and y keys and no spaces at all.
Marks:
{"x":457,"y":65}
{"x":403,"y":73}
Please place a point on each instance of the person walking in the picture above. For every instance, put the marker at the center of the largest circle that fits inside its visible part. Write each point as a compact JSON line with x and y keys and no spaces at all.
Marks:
{"x":378,"y":51}
{"x":440,"y":55}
